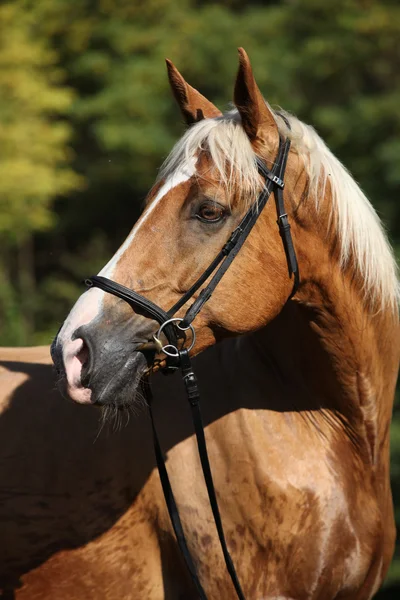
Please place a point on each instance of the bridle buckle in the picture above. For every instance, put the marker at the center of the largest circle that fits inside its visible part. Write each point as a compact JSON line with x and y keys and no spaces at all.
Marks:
{"x":279,"y":220}
{"x":274,"y":178}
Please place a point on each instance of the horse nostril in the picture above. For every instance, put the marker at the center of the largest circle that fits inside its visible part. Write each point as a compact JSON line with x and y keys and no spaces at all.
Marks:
{"x":83,"y":354}
{"x":84,"y":358}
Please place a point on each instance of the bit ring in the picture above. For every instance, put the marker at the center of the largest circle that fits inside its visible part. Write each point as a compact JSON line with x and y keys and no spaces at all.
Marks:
{"x":168,"y":347}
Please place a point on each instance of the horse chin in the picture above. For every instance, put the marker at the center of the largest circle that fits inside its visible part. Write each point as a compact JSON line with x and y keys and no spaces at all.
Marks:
{"x":118,"y":388}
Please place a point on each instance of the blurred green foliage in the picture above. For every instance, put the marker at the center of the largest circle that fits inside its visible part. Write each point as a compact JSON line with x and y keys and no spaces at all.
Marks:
{"x":86,"y":118}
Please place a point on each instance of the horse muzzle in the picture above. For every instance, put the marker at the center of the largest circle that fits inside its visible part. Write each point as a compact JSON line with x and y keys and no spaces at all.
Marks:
{"x":103,"y":365}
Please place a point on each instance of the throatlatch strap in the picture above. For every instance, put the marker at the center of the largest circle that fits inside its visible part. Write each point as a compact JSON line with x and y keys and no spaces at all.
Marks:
{"x":284,"y":227}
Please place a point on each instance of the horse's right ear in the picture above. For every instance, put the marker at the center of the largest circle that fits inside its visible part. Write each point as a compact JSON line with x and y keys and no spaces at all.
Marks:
{"x":194,"y":107}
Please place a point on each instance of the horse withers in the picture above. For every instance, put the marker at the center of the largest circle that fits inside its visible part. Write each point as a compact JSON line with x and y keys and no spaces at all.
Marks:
{"x":297,"y":389}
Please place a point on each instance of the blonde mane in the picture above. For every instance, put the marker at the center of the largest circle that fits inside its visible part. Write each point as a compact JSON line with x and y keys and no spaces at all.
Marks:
{"x":360,"y":232}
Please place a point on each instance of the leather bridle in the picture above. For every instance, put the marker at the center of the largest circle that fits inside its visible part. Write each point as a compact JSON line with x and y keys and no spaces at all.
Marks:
{"x":174,"y":329}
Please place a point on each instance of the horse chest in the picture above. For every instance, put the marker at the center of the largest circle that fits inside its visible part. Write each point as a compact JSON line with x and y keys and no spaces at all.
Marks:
{"x":291,"y":521}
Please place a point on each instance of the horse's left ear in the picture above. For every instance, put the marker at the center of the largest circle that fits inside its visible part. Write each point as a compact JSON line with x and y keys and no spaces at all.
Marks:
{"x":254,"y":111}
{"x":193,"y":105}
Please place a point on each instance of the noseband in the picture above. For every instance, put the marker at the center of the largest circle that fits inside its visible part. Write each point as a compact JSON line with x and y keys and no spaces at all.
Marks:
{"x":175,"y":329}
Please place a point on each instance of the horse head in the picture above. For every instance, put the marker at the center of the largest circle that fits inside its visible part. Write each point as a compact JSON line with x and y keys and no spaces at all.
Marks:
{"x":204,"y":189}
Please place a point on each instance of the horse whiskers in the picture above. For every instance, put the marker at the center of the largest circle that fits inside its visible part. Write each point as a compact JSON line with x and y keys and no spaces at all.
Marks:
{"x":60,"y":384}
{"x":112,"y":414}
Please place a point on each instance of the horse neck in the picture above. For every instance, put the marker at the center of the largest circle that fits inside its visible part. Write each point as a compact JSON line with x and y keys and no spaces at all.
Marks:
{"x":362,"y":342}
{"x":333,"y":345}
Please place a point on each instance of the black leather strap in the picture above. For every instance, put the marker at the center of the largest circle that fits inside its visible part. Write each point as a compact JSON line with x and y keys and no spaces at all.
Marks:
{"x":130,"y":296}
{"x":138,"y":302}
{"x":169,"y":497}
{"x":197,"y":284}
{"x":284,"y":227}
{"x":193,"y":394}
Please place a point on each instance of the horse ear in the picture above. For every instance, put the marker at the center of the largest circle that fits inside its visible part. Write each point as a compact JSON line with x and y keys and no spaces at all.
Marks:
{"x":193,"y":105}
{"x":249,"y":101}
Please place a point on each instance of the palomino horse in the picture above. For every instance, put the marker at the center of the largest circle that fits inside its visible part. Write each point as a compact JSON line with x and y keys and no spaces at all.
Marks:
{"x":297,"y":391}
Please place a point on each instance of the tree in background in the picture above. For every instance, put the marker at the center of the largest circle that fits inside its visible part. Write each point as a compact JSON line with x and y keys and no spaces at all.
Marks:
{"x":34,"y":155}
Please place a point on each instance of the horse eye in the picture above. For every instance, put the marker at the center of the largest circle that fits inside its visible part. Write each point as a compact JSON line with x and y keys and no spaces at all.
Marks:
{"x":210,"y":213}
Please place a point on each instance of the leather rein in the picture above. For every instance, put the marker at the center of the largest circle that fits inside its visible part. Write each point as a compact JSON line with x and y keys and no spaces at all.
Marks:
{"x":175,"y":329}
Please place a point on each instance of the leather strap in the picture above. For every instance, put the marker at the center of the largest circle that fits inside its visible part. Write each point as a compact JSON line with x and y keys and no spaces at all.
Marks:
{"x":169,"y":497}
{"x":193,"y":395}
{"x":138,"y":302}
{"x":284,"y":228}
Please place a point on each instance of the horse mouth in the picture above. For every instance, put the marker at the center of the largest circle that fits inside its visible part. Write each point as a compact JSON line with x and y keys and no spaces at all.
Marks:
{"x":102,"y":380}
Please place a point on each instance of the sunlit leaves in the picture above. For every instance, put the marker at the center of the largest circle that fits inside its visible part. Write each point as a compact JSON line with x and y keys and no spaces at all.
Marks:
{"x":33,"y":139}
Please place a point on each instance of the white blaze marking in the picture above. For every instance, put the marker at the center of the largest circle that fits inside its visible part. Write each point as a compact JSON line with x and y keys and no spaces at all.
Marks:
{"x":89,"y":304}
{"x":180,"y":176}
